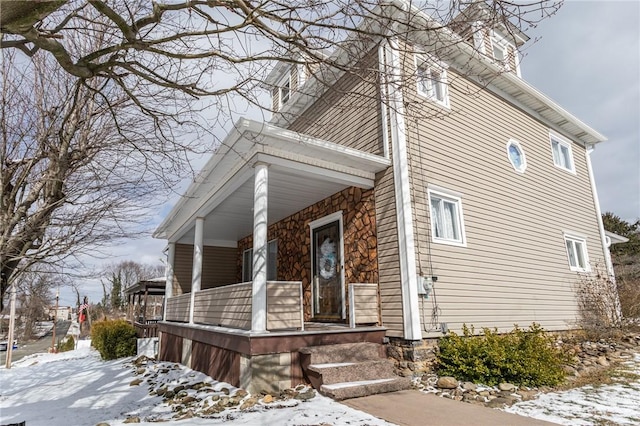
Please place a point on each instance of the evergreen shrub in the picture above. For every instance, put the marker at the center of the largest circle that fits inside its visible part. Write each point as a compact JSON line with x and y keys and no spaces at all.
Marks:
{"x":114,"y":339}
{"x":68,"y":344}
{"x":521,"y":357}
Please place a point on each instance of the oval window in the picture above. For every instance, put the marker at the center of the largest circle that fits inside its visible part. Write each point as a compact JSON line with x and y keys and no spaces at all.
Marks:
{"x":516,"y":156}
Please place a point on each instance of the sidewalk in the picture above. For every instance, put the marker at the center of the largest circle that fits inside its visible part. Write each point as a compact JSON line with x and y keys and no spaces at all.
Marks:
{"x":415,"y":408}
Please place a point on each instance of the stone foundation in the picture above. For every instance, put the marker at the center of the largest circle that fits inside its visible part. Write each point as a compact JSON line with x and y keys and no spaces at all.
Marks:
{"x":413,"y":357}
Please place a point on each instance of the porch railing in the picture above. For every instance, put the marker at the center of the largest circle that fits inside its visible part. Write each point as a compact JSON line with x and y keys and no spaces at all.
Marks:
{"x":148,"y":328}
{"x":230,"y":306}
{"x":178,"y":308}
{"x":363,"y":304}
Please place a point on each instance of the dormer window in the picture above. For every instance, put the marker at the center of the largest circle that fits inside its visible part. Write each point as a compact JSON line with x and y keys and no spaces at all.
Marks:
{"x":504,"y":53}
{"x":432,"y":80}
{"x":286,"y":87}
{"x":500,"y":53}
{"x":285,"y":90}
{"x":282,"y":92}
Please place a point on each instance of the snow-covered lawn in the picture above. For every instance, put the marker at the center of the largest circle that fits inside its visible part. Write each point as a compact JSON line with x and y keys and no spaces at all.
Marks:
{"x":615,"y":404}
{"x":78,"y":388}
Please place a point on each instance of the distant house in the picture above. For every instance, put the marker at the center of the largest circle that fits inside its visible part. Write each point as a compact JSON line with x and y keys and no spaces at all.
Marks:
{"x":371,"y":224}
{"x":63,"y":313}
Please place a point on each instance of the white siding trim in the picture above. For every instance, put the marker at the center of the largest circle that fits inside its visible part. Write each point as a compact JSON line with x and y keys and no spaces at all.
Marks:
{"x":384,"y":105}
{"x":406,"y":243}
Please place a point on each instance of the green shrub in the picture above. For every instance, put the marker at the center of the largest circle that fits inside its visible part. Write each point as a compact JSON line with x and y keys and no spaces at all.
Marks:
{"x":114,"y":338}
{"x":521,"y":357}
{"x":68,"y":344}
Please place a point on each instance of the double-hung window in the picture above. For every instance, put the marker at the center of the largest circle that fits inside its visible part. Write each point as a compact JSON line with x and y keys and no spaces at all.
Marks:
{"x":577,"y":253}
{"x":447,"y":225}
{"x":272,"y":262}
{"x":562,"y":154}
{"x":432,"y":80}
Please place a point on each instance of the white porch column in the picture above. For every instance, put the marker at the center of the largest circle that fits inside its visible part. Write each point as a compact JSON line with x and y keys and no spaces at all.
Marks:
{"x":168,"y":275}
{"x":259,"y":287}
{"x":196,"y":271}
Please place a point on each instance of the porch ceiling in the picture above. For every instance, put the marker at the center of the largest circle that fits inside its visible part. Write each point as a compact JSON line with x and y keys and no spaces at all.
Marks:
{"x":302,"y":171}
{"x":289,"y":192}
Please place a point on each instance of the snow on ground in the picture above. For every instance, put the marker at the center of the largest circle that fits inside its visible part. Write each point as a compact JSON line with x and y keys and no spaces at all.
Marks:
{"x":618,"y":403}
{"x":78,"y":388}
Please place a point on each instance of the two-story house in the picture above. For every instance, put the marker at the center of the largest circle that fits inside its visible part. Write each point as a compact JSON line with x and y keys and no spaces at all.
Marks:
{"x":428,"y":192}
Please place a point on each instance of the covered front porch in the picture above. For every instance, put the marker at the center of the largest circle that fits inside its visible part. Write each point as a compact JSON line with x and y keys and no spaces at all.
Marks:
{"x":272,"y":248}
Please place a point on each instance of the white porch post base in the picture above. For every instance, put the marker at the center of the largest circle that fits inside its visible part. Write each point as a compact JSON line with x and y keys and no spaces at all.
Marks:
{"x":196,"y":272}
{"x":259,"y":286}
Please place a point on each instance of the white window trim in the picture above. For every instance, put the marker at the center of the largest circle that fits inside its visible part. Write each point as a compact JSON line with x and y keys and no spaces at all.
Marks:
{"x":428,"y":61}
{"x":452,"y":197}
{"x":524,"y":156}
{"x":567,"y":144}
{"x":280,"y":86}
{"x":503,"y":44}
{"x":478,"y":36}
{"x":244,"y":265}
{"x":333,"y":217}
{"x":585,"y":252}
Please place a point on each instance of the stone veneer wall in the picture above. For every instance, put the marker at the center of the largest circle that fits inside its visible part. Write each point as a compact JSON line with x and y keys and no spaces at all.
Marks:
{"x":294,"y":241}
{"x":413,"y":358}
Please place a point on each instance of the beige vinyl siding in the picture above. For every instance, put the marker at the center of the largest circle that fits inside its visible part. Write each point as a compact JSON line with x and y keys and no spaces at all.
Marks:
{"x":178,"y":308}
{"x":275,"y":99}
{"x":349,"y":112}
{"x":219,"y":266}
{"x":388,"y":255}
{"x":228,"y":306}
{"x":284,"y":305}
{"x":488,"y":45}
{"x":364,"y":299}
{"x":294,"y":79}
{"x":514,"y":268}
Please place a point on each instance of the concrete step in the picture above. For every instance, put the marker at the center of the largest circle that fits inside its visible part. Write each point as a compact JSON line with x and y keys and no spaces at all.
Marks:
{"x":346,"y":390}
{"x":345,"y":352}
{"x":329,"y":374}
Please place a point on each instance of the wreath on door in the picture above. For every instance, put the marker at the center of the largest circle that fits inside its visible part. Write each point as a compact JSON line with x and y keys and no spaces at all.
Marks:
{"x":328,"y":259}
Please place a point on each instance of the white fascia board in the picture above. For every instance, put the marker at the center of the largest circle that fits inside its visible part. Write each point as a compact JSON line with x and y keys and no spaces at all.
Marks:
{"x":185,"y":206}
{"x":338,"y":153}
{"x":615,"y":238}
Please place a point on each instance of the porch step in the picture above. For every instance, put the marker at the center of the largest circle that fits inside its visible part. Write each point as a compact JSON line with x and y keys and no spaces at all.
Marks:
{"x":340,"y":391}
{"x":350,"y":370}
{"x":344,"y":352}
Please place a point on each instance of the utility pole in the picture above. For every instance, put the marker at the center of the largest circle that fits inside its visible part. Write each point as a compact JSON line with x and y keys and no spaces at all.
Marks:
{"x":12,"y":319}
{"x":55,"y":320}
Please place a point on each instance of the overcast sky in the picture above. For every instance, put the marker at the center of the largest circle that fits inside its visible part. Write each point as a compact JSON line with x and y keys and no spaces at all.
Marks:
{"x":587,"y":59}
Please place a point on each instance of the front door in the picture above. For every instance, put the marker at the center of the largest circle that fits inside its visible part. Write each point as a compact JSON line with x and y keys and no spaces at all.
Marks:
{"x":327,"y":272}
